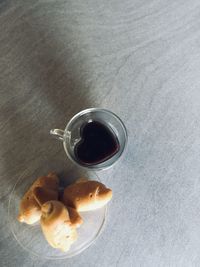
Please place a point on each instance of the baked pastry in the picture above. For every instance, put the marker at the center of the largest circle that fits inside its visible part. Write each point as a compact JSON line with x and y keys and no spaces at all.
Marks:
{"x":50,"y":181}
{"x":29,"y":209}
{"x":86,"y":195}
{"x":30,"y":205}
{"x":56,"y":225}
{"x":43,"y":194}
{"x":75,"y":218}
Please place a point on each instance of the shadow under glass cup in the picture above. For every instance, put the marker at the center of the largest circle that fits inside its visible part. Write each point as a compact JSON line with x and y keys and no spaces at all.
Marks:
{"x":71,"y":136}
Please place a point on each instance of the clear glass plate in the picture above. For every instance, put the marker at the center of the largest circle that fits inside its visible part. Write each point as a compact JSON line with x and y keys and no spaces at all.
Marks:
{"x":30,"y":237}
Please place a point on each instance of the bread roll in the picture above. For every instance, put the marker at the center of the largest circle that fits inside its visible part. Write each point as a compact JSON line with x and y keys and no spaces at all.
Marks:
{"x":75,"y":218}
{"x":56,"y":225}
{"x":42,"y":194}
{"x":86,"y":195}
{"x":50,"y":181}
{"x":30,"y":208}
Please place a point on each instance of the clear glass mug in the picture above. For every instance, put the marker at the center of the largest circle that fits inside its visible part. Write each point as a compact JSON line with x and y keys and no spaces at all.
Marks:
{"x":71,"y":135}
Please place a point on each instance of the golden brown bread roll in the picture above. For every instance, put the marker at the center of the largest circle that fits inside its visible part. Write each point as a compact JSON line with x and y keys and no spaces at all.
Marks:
{"x":42,"y":194}
{"x":56,"y":225}
{"x":86,"y":195}
{"x":75,"y":218}
{"x":30,"y":210}
{"x":50,"y":181}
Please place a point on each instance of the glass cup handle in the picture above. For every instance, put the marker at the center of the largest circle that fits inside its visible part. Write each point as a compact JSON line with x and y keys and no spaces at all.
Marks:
{"x":58,"y":134}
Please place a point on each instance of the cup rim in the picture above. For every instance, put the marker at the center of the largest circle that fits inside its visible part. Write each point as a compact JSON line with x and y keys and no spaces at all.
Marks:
{"x":97,"y":166}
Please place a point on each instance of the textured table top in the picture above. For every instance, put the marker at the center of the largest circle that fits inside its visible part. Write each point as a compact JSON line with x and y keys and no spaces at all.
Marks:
{"x":140,"y":59}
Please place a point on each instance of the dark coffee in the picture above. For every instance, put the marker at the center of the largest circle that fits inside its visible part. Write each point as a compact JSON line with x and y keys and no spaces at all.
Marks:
{"x":98,"y":143}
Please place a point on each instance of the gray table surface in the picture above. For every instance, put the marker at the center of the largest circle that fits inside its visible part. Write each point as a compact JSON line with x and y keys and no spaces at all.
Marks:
{"x":140,"y":59}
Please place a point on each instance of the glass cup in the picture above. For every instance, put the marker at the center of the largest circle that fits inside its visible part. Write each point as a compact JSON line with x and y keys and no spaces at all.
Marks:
{"x":71,"y":135}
